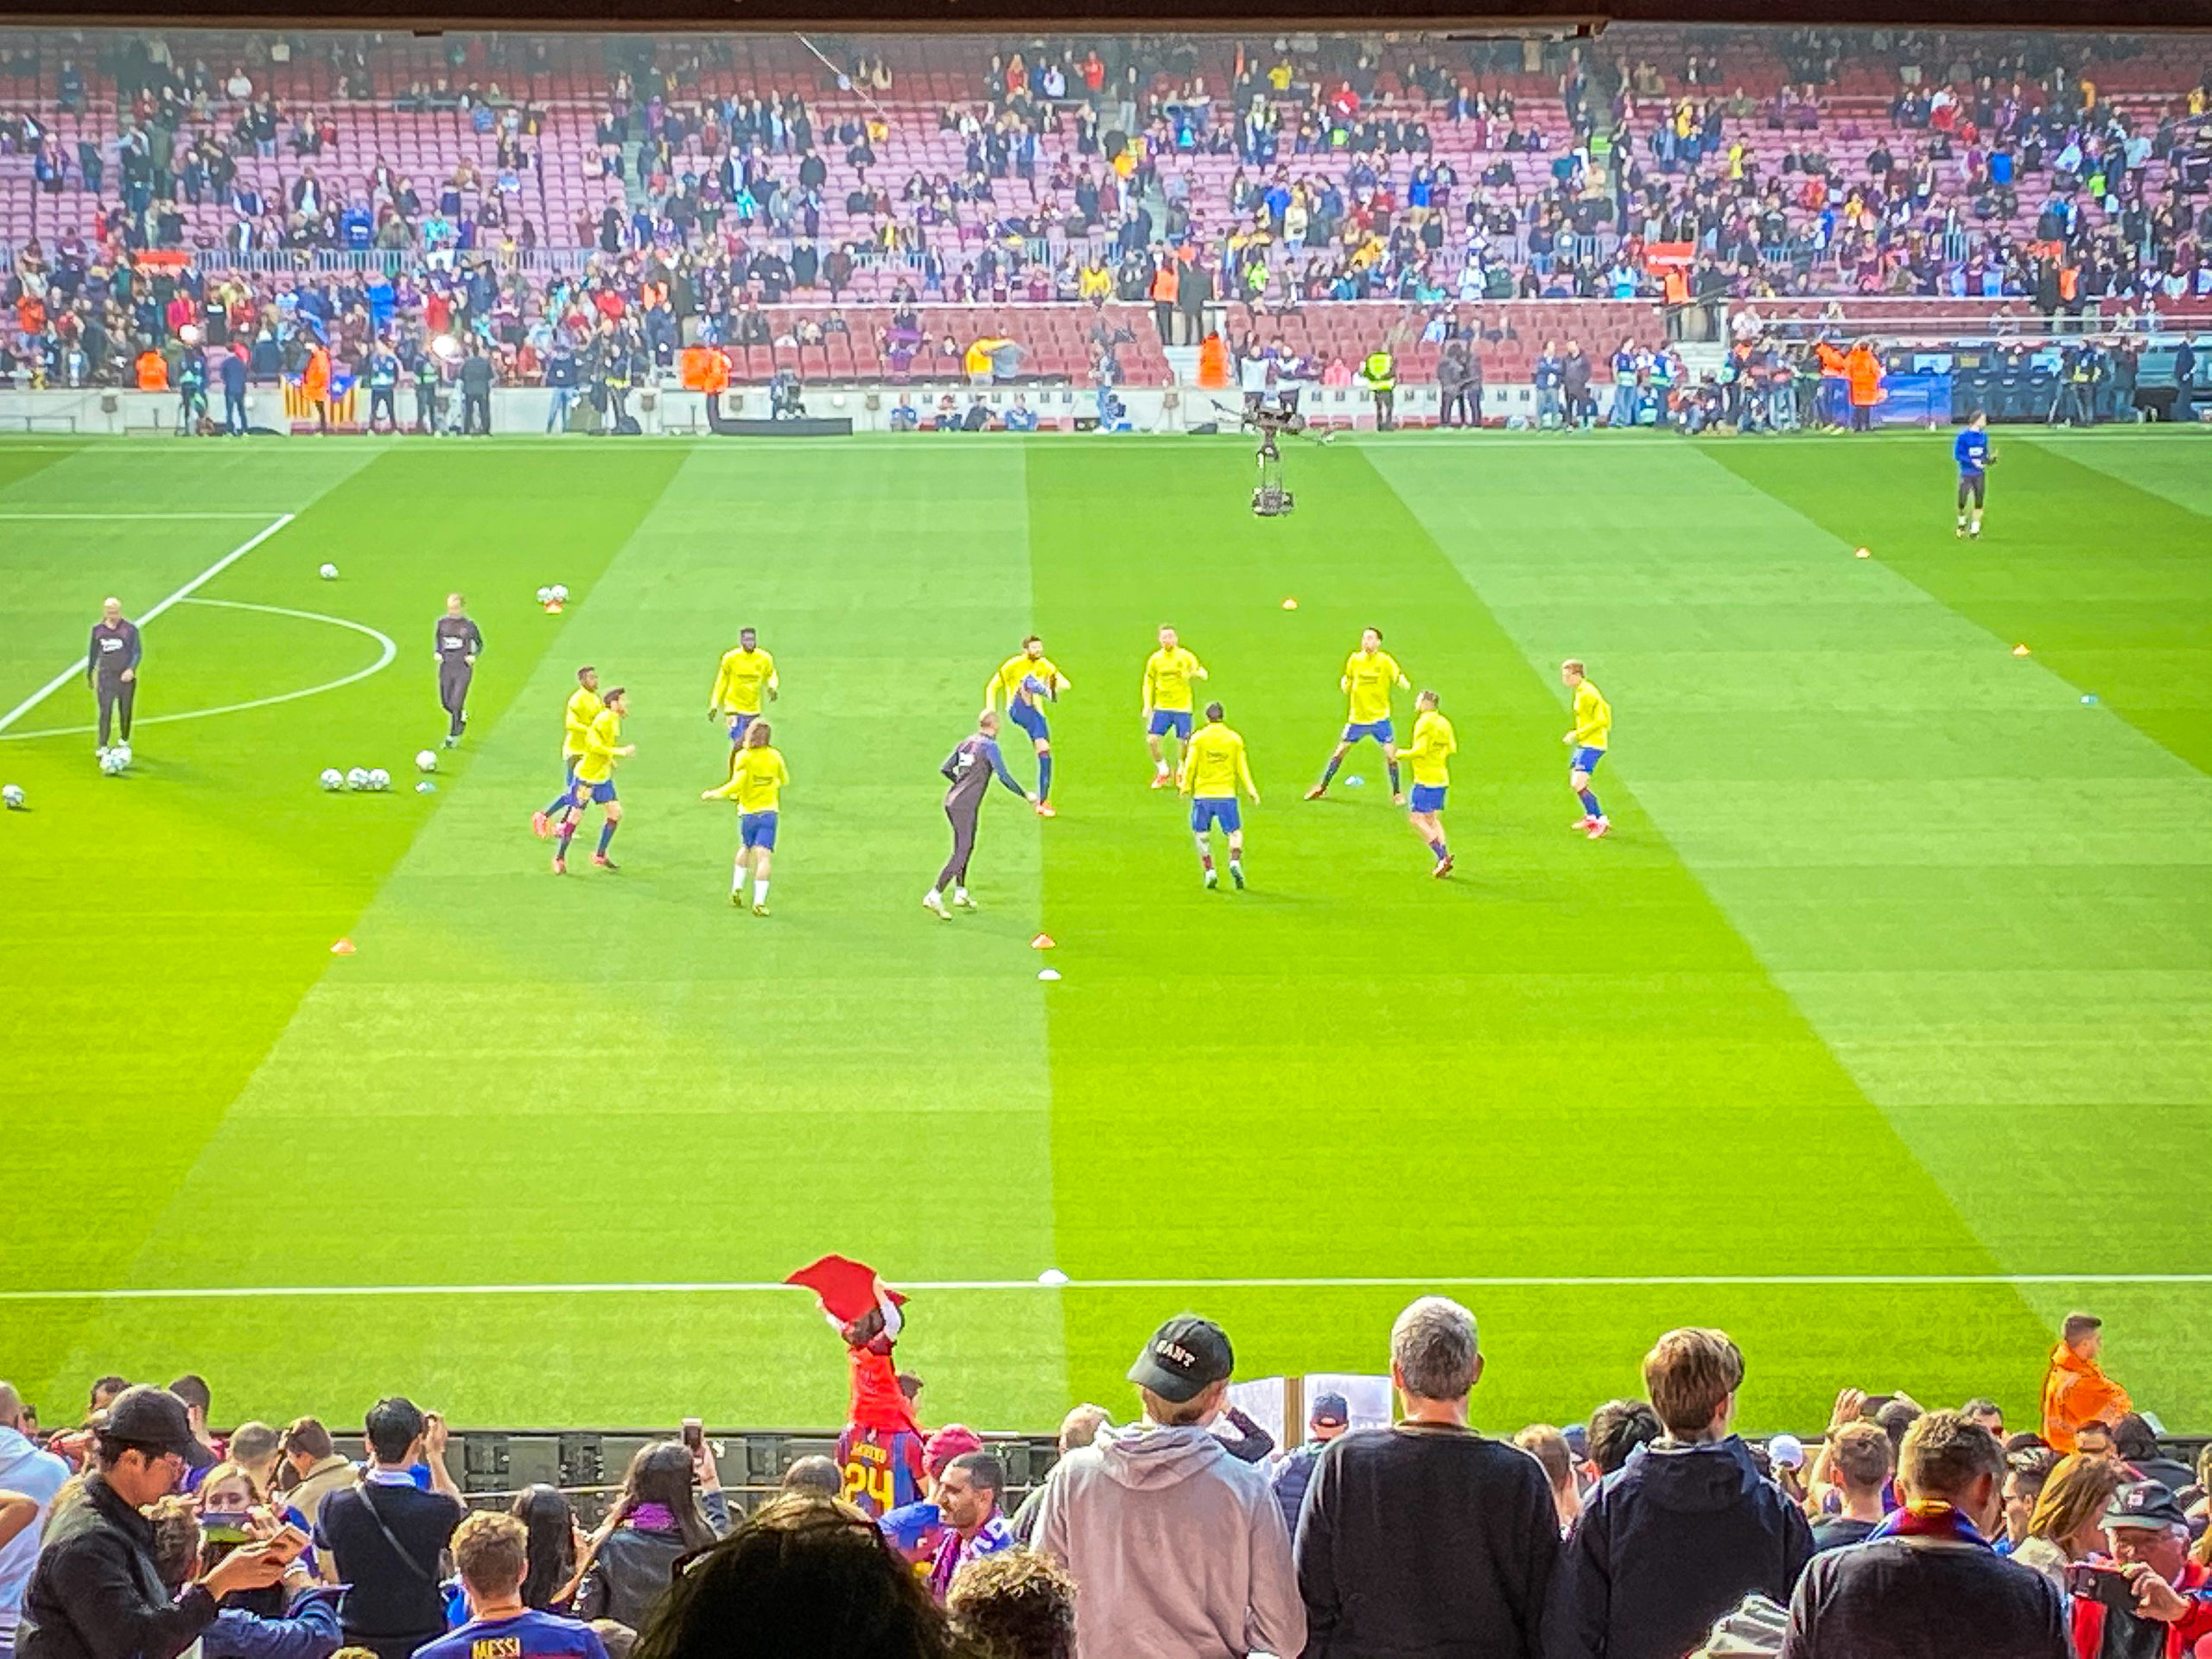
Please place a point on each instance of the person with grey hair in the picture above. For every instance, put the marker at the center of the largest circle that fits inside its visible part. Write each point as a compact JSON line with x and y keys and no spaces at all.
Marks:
{"x":1427,"y":1537}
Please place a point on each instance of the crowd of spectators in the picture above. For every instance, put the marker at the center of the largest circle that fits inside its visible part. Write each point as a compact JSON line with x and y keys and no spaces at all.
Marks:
{"x":1653,"y":1531}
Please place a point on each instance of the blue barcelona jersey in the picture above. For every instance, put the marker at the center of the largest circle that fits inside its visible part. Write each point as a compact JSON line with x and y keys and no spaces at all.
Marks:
{"x":882,"y":1468}
{"x":1971,"y":450}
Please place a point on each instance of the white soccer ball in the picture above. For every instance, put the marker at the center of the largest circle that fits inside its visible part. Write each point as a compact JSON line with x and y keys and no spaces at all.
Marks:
{"x":330,"y":573}
{"x":357,"y":778}
{"x":426,"y":760}
{"x":12,"y":797}
{"x":426,"y":787}
{"x":190,"y":333}
{"x":116,"y":759}
{"x":379,"y":778}
{"x":333,"y":779}
{"x":545,"y":595}
{"x":561,"y":592}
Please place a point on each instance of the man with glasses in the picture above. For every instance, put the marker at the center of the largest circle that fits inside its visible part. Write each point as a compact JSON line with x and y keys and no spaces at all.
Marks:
{"x":97,"y":1590}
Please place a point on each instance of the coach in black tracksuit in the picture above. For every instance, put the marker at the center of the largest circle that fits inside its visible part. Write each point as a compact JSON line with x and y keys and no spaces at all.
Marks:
{"x":459,"y":646}
{"x":969,"y":770}
{"x":112,"y":668}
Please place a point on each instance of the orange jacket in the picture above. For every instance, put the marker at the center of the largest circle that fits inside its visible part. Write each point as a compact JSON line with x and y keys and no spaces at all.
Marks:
{"x":715,"y":378}
{"x":153,"y":373}
{"x":2076,"y":1393}
{"x":1163,"y":284}
{"x":1213,"y":363}
{"x":1832,"y":359}
{"x":1864,"y":370}
{"x":315,"y":378}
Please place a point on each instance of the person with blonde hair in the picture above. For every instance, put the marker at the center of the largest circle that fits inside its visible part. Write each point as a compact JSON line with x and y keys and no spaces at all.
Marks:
{"x":491,"y":1552}
{"x":2068,"y":1522}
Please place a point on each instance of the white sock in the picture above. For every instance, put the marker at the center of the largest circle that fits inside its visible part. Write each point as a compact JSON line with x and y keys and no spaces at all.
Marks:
{"x":960,"y":895}
{"x":1160,"y":768}
{"x":737,"y":879}
{"x":759,"y":893}
{"x":932,"y":897}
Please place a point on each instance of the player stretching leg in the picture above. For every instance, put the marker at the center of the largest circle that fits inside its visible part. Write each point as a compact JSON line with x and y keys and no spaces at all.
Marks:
{"x":575,"y":724}
{"x":1213,"y":767}
{"x":1168,"y":675}
{"x":758,"y":781}
{"x":1429,"y":755}
{"x":603,"y":745}
{"x":744,"y":675}
{"x":1028,"y":681}
{"x":970,"y":767}
{"x":1972,"y":451}
{"x":1370,"y":674}
{"x":1593,"y":728}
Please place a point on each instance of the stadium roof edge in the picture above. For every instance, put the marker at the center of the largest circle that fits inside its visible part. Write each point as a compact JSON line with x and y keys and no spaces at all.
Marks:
{"x":1507,"y":17}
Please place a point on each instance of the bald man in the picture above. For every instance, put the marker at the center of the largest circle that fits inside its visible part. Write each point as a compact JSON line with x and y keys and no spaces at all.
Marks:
{"x":111,"y":669}
{"x":460,"y":644}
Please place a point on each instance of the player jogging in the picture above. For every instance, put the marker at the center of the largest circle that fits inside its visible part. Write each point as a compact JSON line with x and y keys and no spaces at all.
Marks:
{"x":603,"y":745}
{"x":1593,"y":730}
{"x":575,"y":724}
{"x":969,"y":767}
{"x":744,"y":674}
{"x":460,"y":644}
{"x":1972,"y":451}
{"x":1429,"y":755}
{"x":111,"y":669}
{"x":1168,"y":675}
{"x":1213,"y":767}
{"x":1028,"y":681}
{"x":757,"y":779}
{"x":1370,"y":675}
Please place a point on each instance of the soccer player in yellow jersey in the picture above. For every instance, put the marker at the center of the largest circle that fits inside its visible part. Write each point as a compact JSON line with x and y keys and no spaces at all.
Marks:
{"x":603,"y":745}
{"x":1592,"y":733}
{"x":1370,"y":675}
{"x":758,"y":781}
{"x":1168,"y":675}
{"x":1029,"y":680}
{"x":746,"y":674}
{"x":1429,"y":756}
{"x":583,"y":708}
{"x":1213,"y":767}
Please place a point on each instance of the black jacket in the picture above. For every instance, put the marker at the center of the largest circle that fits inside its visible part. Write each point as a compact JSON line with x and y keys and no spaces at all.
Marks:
{"x":1667,"y":1543}
{"x":96,"y":1594}
{"x":1897,"y":1598}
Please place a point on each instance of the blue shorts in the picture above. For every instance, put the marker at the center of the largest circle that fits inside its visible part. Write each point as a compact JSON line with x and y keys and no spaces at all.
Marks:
{"x":1165,"y":720}
{"x":1030,"y":718}
{"x":1586,"y":759}
{"x":1428,"y":798}
{"x":600,"y":794}
{"x":757,"y":829}
{"x":1208,"y":810}
{"x":737,"y":725}
{"x":1380,"y":730}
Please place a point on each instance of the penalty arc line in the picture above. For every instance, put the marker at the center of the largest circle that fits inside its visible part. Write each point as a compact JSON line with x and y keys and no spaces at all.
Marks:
{"x":387,"y":648}
{"x":1716,"y":1281}
{"x":181,"y":594}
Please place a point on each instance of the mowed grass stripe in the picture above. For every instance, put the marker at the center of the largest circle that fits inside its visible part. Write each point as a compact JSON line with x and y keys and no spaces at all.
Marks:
{"x":1988,"y":900}
{"x":1564,"y":1061}
{"x":620,"y":1074}
{"x":2172,"y":462}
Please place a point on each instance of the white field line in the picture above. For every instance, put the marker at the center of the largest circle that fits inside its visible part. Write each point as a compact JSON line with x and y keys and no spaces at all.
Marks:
{"x":1812,"y":1280}
{"x":186,"y":592}
{"x":104,"y":518}
{"x":387,"y":648}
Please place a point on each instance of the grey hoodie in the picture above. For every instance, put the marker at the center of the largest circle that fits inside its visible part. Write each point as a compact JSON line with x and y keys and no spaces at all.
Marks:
{"x":1179,"y":1551}
{"x":25,"y":1469}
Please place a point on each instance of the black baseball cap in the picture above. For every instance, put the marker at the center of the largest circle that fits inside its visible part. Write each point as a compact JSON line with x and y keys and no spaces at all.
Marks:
{"x":150,"y":1417}
{"x":1330,"y":1408}
{"x":1184,"y":1358}
{"x":2145,"y":1504}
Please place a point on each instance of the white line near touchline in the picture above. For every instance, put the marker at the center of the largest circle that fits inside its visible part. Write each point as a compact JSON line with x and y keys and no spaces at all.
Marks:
{"x":185,"y":592}
{"x":1801,"y":1281}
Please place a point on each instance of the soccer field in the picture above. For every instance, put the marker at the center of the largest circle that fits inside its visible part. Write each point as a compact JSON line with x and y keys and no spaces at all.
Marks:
{"x":1880,"y":1033}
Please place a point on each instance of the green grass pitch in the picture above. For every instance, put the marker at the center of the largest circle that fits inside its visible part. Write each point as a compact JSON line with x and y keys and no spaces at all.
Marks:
{"x":1878,"y":1034}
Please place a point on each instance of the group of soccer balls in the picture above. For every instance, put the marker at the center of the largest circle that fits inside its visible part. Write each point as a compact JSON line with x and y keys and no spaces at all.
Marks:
{"x":371,"y":780}
{"x":549,"y":598}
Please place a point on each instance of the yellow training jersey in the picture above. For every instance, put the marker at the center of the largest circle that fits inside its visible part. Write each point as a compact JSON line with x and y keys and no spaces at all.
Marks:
{"x":1369,"y":681}
{"x":596,"y":763}
{"x":1594,"y":717}
{"x":739,"y":684}
{"x":1006,"y":682}
{"x":1168,"y":677}
{"x":1214,"y":765}
{"x":759,"y":781}
{"x":583,"y":708}
{"x":1430,"y":752}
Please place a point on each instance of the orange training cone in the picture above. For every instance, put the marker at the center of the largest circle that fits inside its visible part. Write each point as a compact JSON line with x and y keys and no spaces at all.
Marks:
{"x":343,"y":947}
{"x":1042,"y":941}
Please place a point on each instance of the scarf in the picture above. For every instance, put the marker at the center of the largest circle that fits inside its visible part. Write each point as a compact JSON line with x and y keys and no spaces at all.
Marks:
{"x":1938,"y":1523}
{"x":653,"y":1517}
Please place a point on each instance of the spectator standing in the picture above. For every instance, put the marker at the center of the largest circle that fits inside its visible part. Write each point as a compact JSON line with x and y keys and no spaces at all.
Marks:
{"x":1016,"y":1604}
{"x":96,"y":1592}
{"x":1427,"y":1537}
{"x":2076,"y":1390}
{"x":2068,"y":1524}
{"x":1685,"y":1529}
{"x":2134,"y":1441}
{"x":1077,"y":1429}
{"x":1549,"y":1446}
{"x":1328,"y":1419}
{"x":1177,"y":1546}
{"x":1617,"y":1429}
{"x":26,"y":1470}
{"x":294,"y":1618}
{"x":1859,"y":1457}
{"x":491,"y":1552}
{"x":384,"y":1534}
{"x":2183,"y":408}
{"x":234,"y":370}
{"x":476,"y":393}
{"x":316,"y":1470}
{"x":2025,"y":1473}
{"x":1927,"y":1581}
{"x":2170,"y":1595}
{"x":967,"y":1495}
{"x":670,"y":1505}
{"x":253,"y":1448}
